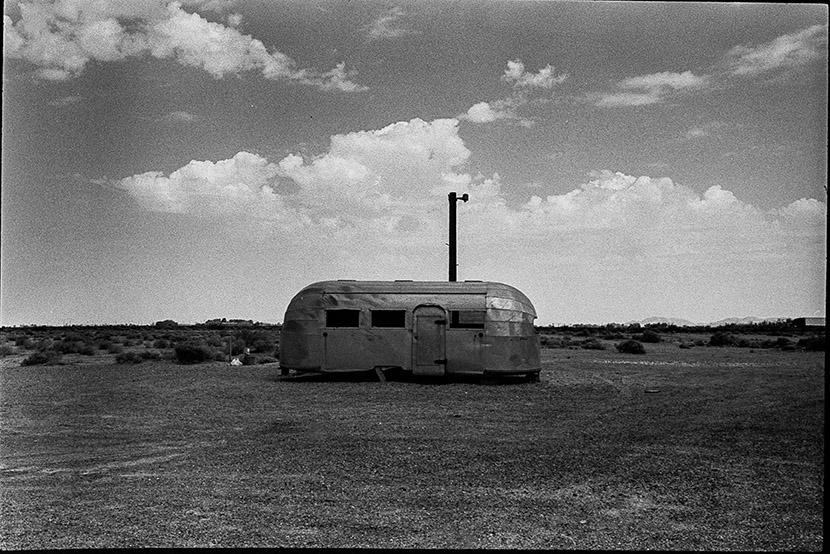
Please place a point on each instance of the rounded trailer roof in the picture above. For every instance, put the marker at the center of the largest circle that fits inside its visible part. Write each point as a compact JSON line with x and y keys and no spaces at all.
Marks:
{"x":499,"y":295}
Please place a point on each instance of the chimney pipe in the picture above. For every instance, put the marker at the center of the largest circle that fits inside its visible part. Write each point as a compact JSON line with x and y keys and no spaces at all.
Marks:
{"x":453,"y":198}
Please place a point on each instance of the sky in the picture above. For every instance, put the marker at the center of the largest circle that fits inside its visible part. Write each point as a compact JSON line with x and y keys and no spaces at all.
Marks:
{"x":200,"y":159}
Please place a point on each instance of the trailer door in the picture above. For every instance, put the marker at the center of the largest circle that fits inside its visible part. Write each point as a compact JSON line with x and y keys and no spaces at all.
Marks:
{"x":429,"y":351}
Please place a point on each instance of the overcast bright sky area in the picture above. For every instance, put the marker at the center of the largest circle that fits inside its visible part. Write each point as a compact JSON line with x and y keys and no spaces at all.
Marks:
{"x":201,"y":159}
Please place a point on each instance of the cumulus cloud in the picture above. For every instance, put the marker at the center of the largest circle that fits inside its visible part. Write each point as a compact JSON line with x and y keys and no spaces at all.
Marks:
{"x":516,"y":75}
{"x":374,"y":206}
{"x":397,"y":171}
{"x":786,"y":51}
{"x":506,"y":109}
{"x":388,"y":26}
{"x":365,"y":172}
{"x":201,"y":185}
{"x":61,"y":39}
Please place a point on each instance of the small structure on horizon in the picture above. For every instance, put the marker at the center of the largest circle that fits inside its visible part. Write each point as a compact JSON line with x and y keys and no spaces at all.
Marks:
{"x":809,"y":322}
{"x":423,"y":327}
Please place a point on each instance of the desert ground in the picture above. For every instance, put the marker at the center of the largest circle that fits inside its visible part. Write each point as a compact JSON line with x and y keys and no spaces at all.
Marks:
{"x":695,"y":448}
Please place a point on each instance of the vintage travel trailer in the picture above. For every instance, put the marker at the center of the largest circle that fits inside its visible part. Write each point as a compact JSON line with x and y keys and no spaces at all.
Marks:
{"x":426,"y":327}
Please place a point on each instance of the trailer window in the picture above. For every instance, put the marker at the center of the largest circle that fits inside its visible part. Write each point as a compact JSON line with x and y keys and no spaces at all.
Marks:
{"x":467,"y":319}
{"x":388,"y":318}
{"x":342,"y":318}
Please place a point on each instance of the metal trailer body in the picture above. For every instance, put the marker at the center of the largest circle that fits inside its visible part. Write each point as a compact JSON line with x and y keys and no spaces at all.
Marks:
{"x":426,"y":327}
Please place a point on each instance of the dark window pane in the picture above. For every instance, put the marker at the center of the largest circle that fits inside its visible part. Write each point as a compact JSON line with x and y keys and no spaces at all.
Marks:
{"x":343,"y":318}
{"x":388,"y":318}
{"x":467,"y":319}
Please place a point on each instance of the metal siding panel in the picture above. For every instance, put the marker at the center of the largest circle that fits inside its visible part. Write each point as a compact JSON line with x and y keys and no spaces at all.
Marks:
{"x":513,"y":354}
{"x":464,"y":351}
{"x":408,"y":301}
{"x":499,"y":303}
{"x":366,"y":348}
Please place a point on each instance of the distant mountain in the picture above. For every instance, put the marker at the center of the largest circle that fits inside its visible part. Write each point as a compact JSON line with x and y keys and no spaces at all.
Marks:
{"x":668,"y":320}
{"x":686,"y":323}
{"x":742,"y":320}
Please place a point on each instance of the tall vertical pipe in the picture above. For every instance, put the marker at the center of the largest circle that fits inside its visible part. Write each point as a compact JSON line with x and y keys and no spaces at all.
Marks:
{"x":452,"y":199}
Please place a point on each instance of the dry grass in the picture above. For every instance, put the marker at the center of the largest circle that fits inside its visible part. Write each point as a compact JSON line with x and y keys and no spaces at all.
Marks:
{"x":706,"y":448}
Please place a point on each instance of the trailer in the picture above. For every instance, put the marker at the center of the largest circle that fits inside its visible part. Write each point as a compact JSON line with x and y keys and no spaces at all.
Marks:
{"x":424,"y":327}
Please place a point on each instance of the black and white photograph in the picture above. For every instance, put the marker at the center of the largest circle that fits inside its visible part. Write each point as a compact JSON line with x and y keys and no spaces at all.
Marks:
{"x":456,"y":274}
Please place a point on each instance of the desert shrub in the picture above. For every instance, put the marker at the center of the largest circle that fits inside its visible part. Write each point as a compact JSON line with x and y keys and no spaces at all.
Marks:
{"x":24,"y":341}
{"x":257,"y":340}
{"x":86,"y":349}
{"x":237,"y":346}
{"x":263,"y":344}
{"x":554,"y":342}
{"x":193,"y":352}
{"x":784,"y":343}
{"x":220,"y":356}
{"x":166,"y":324}
{"x":68,"y":347}
{"x":128,"y":358}
{"x":45,"y":357}
{"x":648,"y":336}
{"x":44,"y":344}
{"x":722,"y":339}
{"x":592,"y":344}
{"x":74,"y":347}
{"x":150,"y":355}
{"x":115,"y":348}
{"x":74,"y":336}
{"x":813,"y":344}
{"x":631,"y":347}
{"x":161,"y":343}
{"x":7,"y":350}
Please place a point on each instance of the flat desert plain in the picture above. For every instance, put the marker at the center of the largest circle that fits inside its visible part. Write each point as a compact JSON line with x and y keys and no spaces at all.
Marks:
{"x":700,"y":448}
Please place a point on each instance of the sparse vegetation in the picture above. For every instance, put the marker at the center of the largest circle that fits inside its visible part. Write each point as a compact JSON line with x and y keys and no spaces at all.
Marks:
{"x":648,"y":336}
{"x":631,"y":347}
{"x":193,"y":352}
{"x":7,"y":350}
{"x":722,"y":339}
{"x":708,"y":449}
{"x":813,"y":344}
{"x":129,"y":358}
{"x":41,"y":358}
{"x":592,"y":344}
